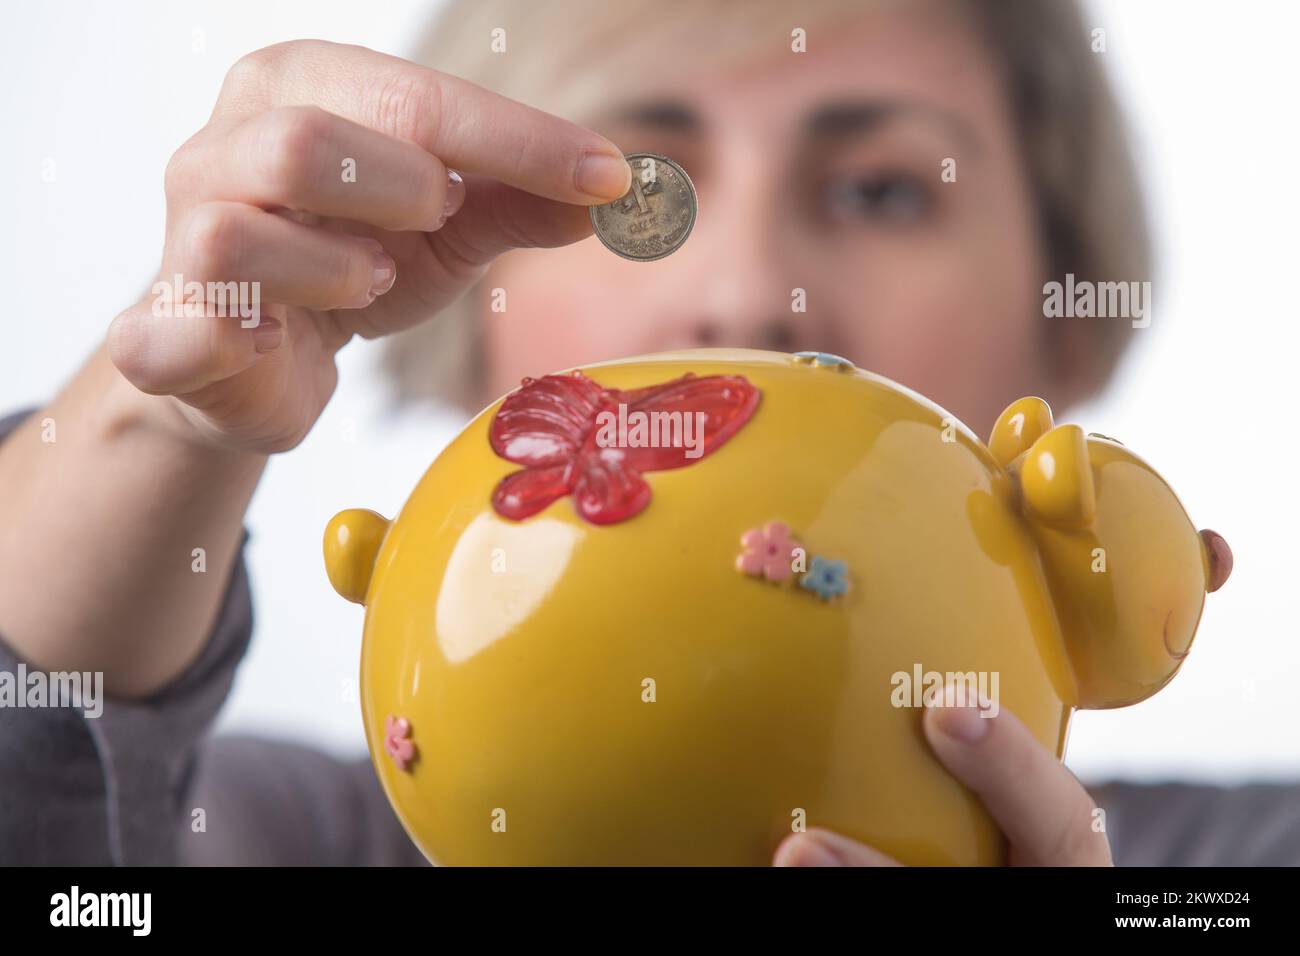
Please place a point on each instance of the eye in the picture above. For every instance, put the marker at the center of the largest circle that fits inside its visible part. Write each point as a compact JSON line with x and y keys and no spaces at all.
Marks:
{"x":886,"y":198}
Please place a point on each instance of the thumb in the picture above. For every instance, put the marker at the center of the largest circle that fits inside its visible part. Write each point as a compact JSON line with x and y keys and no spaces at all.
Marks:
{"x":820,"y":847}
{"x":1041,"y":807}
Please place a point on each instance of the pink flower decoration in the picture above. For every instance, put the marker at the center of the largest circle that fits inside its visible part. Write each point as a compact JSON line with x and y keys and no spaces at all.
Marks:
{"x":397,"y":733}
{"x":767,"y":551}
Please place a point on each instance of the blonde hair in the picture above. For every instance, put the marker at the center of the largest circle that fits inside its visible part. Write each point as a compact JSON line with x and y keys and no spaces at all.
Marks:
{"x":563,"y":54}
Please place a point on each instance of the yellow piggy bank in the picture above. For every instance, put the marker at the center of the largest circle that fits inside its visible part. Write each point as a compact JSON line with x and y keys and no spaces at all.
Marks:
{"x":661,"y":610}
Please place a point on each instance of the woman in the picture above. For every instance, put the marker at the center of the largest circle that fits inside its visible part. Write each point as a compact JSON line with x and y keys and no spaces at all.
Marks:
{"x":917,"y":169}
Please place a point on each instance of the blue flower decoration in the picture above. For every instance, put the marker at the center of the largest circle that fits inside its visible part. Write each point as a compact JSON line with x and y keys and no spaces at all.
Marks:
{"x":826,"y":577}
{"x":823,"y":360}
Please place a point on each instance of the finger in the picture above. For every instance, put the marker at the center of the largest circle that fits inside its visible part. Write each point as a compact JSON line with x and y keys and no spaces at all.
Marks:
{"x":205,"y":319}
{"x":308,"y":160}
{"x":1040,"y":806}
{"x":181,"y":353}
{"x":467,"y":127}
{"x":497,"y":218}
{"x":819,"y":847}
{"x":291,"y":263}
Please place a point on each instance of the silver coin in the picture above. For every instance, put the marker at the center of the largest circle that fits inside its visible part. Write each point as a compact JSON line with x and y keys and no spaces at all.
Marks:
{"x":654,"y":217}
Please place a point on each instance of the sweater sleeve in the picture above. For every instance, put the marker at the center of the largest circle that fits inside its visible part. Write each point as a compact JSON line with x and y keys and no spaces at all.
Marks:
{"x":123,"y":787}
{"x":1184,"y":824}
{"x":259,"y":802}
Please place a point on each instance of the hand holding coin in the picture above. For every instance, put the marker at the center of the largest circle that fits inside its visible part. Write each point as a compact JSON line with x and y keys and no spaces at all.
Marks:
{"x":655,"y":216}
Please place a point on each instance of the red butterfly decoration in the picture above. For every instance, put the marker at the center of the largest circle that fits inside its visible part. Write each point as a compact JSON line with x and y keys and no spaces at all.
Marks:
{"x":550,"y":426}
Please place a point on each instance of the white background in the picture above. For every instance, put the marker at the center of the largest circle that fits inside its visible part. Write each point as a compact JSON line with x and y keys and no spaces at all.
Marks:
{"x":107,"y":91}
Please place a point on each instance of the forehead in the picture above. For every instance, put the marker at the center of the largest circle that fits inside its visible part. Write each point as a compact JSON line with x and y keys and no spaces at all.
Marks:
{"x":924,"y":55}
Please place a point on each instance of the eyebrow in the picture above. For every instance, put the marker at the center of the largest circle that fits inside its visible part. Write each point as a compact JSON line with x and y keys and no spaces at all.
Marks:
{"x":837,"y":120}
{"x":658,"y":114}
{"x":861,"y":118}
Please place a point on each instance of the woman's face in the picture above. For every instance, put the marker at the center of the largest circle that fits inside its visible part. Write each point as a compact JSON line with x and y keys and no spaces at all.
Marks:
{"x":823,"y":172}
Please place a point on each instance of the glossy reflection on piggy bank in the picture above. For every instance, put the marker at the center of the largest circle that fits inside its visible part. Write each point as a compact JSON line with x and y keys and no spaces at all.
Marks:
{"x":661,"y":610}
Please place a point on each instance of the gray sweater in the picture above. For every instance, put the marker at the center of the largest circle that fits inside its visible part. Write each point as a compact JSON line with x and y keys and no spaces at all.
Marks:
{"x":127,"y":787}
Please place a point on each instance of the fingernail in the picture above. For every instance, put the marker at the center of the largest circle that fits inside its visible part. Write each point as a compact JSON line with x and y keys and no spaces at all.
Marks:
{"x":809,"y":851}
{"x":960,"y":719}
{"x":452,"y":200}
{"x":455,"y":194}
{"x":268,"y":335}
{"x":603,"y":175}
{"x":384,"y":274}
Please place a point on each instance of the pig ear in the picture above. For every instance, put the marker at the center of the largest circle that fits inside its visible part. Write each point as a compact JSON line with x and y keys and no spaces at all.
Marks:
{"x":1056,"y":479}
{"x":1023,"y":423}
{"x":352,"y":540}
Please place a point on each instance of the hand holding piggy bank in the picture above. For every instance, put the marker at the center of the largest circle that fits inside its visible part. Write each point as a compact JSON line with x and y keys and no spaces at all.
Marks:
{"x":659,"y":610}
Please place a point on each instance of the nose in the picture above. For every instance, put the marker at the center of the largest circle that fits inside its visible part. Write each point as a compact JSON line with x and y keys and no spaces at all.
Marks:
{"x":733,"y":281}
